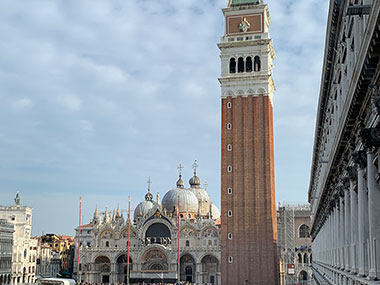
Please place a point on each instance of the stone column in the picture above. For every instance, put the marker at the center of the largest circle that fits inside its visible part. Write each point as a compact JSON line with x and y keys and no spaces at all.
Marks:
{"x":333,"y":231}
{"x":354,"y":220}
{"x":360,"y":159}
{"x":374,"y":215}
{"x":337,"y":233}
{"x":347,"y":225}
{"x":113,"y":276}
{"x":330,"y":240}
{"x":363,"y":223}
{"x":341,"y":230}
{"x":198,"y":275}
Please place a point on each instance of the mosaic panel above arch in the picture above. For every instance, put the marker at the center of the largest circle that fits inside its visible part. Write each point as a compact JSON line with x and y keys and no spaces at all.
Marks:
{"x":210,"y":232}
{"x":124,"y":234}
{"x":107,"y":234}
{"x":188,"y":232}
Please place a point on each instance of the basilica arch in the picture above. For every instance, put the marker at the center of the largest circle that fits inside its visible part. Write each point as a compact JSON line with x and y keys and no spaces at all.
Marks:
{"x":187,"y":268}
{"x":158,"y":233}
{"x":122,"y":267}
{"x":210,"y":236}
{"x":124,"y":233}
{"x":107,"y":238}
{"x":103,"y":268}
{"x":154,"y":260}
{"x":210,"y":269}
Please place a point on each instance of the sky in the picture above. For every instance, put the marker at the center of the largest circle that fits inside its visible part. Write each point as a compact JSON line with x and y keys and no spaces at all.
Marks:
{"x":97,"y":96}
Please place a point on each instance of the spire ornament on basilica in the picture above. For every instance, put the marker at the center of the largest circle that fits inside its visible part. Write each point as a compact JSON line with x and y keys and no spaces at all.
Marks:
{"x":180,"y":183}
{"x":149,"y":196}
{"x":194,"y":181}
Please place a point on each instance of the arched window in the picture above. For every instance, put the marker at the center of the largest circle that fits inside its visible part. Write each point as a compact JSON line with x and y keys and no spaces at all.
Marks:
{"x":240,"y":64}
{"x":257,"y":63}
{"x":187,"y":243}
{"x":304,"y":231}
{"x":248,"y":64}
{"x":311,"y":258}
{"x":305,"y":258}
{"x":299,"y":258}
{"x":107,"y":244}
{"x":302,"y":276}
{"x":232,"y":65}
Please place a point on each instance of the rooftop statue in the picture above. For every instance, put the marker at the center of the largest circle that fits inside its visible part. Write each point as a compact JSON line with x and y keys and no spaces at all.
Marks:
{"x":17,"y":199}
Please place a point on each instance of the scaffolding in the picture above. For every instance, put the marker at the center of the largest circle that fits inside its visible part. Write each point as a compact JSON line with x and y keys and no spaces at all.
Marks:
{"x":286,"y":241}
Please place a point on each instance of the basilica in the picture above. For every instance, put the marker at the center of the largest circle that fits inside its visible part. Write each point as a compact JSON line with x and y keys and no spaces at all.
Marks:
{"x":154,"y":245}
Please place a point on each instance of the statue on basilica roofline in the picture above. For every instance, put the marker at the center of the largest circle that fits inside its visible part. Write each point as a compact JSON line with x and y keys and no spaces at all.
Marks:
{"x":17,"y":199}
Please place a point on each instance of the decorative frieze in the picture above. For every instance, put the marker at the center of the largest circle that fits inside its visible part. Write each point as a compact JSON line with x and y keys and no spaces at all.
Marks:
{"x":360,"y":158}
{"x":376,"y":99}
{"x":370,"y":137}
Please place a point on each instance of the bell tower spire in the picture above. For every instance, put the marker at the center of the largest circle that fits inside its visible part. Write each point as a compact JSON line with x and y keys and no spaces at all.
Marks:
{"x":248,"y":230}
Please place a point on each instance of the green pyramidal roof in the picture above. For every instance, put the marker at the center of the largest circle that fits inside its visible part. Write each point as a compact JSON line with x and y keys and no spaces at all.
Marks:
{"x":242,"y":2}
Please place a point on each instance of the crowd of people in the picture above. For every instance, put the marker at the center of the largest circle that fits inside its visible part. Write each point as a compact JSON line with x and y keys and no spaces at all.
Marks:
{"x":147,"y":283}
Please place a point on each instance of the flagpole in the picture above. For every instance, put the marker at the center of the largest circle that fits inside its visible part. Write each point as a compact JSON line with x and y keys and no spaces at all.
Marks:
{"x":79,"y":230}
{"x":129,"y":235}
{"x":179,"y":229}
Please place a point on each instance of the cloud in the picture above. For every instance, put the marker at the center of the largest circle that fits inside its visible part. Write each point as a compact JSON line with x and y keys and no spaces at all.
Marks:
{"x":70,"y":102}
{"x":119,"y":91}
{"x":22,"y":104}
{"x":86,"y":126}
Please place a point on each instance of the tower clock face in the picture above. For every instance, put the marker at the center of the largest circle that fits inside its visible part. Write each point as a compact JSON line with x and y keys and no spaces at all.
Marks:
{"x":251,"y":24}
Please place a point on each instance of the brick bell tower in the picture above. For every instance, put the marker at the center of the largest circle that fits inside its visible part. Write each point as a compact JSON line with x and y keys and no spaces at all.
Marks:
{"x":249,"y":231}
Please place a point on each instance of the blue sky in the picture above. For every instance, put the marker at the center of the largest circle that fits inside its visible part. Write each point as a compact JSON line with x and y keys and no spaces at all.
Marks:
{"x":96,"y":96}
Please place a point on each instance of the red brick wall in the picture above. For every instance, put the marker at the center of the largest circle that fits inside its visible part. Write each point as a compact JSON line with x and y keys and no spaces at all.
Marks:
{"x":253,"y":221}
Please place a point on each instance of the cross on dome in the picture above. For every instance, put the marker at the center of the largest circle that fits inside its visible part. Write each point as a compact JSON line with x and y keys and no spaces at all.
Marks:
{"x":195,"y":166}
{"x":180,"y":167}
{"x":180,"y":183}
{"x":149,"y":196}
{"x":149,"y":182}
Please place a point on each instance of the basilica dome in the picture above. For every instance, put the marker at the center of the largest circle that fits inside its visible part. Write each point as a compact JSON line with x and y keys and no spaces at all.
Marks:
{"x":215,"y":212}
{"x":188,"y":202}
{"x":204,"y":200}
{"x":145,"y":206}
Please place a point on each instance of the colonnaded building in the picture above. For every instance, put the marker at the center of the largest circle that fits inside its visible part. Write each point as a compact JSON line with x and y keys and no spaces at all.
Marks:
{"x":345,"y":177}
{"x":153,"y":240}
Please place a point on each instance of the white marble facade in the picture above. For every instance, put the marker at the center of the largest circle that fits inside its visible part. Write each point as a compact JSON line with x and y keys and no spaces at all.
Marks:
{"x":6,"y":245}
{"x":153,"y":240}
{"x":24,"y":248}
